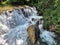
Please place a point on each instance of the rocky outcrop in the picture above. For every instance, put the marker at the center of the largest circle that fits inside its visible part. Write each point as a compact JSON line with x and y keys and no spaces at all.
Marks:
{"x":31,"y":33}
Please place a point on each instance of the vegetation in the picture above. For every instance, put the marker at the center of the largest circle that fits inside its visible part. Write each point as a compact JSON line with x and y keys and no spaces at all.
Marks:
{"x":50,"y":9}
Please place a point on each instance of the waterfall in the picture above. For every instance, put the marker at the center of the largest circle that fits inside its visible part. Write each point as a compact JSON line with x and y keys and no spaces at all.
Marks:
{"x":15,"y":23}
{"x":47,"y":36}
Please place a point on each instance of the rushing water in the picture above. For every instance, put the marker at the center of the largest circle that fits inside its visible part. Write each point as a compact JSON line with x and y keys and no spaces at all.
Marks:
{"x":14,"y":24}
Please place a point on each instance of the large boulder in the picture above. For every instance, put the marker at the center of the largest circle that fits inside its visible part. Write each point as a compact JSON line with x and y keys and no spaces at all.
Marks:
{"x":33,"y":33}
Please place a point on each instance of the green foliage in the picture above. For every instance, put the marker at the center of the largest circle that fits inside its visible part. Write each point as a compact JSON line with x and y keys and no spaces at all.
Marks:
{"x":20,"y":2}
{"x":51,"y":12}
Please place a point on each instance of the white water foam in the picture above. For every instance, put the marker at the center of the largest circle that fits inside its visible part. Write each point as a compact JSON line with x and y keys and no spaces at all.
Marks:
{"x":16,"y":25}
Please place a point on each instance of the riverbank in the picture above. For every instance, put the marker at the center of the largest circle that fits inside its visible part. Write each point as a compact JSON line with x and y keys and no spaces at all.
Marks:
{"x":10,"y":7}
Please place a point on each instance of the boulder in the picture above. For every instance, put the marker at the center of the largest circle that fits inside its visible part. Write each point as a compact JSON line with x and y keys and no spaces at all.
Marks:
{"x":33,"y":33}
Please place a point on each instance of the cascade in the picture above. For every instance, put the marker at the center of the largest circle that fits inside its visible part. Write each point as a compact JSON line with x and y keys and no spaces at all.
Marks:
{"x":15,"y":23}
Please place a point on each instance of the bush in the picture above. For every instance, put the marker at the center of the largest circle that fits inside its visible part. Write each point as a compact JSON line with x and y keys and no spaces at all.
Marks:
{"x":22,"y":2}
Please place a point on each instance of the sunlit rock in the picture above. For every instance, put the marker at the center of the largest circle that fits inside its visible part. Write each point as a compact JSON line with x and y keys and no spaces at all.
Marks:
{"x":31,"y":33}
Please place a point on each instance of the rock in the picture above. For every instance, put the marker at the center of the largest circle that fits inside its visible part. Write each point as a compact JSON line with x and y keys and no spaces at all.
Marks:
{"x":33,"y":33}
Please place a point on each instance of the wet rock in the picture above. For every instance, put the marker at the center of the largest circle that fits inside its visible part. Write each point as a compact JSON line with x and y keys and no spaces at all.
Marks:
{"x":33,"y":33}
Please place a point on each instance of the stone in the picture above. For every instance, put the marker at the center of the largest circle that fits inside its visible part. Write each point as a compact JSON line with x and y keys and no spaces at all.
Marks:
{"x":33,"y":33}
